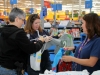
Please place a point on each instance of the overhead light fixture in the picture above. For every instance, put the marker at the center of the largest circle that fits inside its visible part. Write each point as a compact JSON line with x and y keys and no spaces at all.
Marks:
{"x":38,"y":4}
{"x":69,"y":4}
{"x":59,"y":1}
{"x":96,"y":2}
{"x":29,"y":4}
{"x":1,"y":4}
{"x":27,"y":1}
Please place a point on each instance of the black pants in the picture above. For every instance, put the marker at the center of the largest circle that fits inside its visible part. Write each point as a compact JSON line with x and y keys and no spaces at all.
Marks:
{"x":30,"y":71}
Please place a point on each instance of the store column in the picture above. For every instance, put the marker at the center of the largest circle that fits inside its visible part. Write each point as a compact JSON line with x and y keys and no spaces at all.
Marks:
{"x":4,"y":4}
{"x":42,"y":20}
{"x":55,"y":14}
{"x":72,"y":11}
{"x":79,"y":7}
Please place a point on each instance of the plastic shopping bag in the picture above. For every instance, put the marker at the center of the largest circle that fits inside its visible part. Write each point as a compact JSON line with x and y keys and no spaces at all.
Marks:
{"x":96,"y":72}
{"x":84,"y":72}
{"x":35,"y":60}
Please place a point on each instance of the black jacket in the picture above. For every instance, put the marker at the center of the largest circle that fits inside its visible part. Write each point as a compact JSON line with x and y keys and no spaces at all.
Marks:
{"x":15,"y":46}
{"x":45,"y":60}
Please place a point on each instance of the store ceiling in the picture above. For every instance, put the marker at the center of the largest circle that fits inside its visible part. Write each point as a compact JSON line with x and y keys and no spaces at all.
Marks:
{"x":27,"y":3}
{"x":37,"y":3}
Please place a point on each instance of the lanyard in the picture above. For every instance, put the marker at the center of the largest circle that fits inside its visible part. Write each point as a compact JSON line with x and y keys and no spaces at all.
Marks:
{"x":82,"y":45}
{"x":79,"y":51}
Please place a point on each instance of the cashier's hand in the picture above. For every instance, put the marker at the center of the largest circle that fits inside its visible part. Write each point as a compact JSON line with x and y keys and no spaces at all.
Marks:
{"x":59,"y":35}
{"x":67,"y":58}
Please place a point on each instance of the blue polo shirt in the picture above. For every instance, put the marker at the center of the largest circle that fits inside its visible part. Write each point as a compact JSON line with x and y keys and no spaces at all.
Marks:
{"x":92,"y":48}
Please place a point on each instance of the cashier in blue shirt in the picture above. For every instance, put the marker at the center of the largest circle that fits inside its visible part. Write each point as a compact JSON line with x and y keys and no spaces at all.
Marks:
{"x":87,"y":55}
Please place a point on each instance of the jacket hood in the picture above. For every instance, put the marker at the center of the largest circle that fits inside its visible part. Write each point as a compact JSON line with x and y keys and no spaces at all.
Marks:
{"x":7,"y":30}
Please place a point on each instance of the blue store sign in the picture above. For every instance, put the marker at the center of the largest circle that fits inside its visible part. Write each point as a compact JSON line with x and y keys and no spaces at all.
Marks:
{"x":59,"y":6}
{"x":88,"y":4}
{"x":13,"y":1}
{"x":31,"y":10}
{"x":44,"y":9}
{"x":54,"y":7}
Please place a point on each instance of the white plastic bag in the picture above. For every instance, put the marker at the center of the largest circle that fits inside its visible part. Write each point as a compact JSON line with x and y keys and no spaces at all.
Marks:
{"x":35,"y":60}
{"x":96,"y":72}
{"x":84,"y":72}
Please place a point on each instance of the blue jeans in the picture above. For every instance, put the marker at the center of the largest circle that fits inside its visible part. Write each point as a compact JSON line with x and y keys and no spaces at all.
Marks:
{"x":5,"y":71}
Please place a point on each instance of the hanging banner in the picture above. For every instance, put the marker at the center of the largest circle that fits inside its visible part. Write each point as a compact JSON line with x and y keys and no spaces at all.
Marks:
{"x":47,"y":4}
{"x":44,"y":9}
{"x":31,"y":10}
{"x":59,"y":6}
{"x":13,"y":1}
{"x":88,"y":4}
{"x":54,"y":7}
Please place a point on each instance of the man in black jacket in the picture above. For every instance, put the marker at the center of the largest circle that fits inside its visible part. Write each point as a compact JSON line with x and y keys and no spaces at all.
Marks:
{"x":14,"y":45}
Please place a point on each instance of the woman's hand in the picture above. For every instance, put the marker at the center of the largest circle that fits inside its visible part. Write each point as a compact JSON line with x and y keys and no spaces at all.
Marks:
{"x":68,"y":48}
{"x":59,"y":35}
{"x":41,"y":38}
{"x":67,"y":58}
{"x":47,"y":38}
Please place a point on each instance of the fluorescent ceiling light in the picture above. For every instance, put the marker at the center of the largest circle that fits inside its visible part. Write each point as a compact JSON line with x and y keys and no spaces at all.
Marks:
{"x":64,"y":6}
{"x":96,"y":2}
{"x":1,"y":4}
{"x":38,"y":4}
{"x":29,"y":4}
{"x":27,"y":1}
{"x":97,"y":6}
{"x":69,"y":4}
{"x":78,"y":5}
{"x":59,"y":1}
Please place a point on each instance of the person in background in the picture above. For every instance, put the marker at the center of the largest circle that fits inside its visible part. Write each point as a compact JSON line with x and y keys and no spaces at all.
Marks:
{"x":87,"y":55}
{"x":72,"y":23}
{"x":31,"y":27}
{"x":54,"y":30}
{"x":15,"y":46}
{"x":80,"y":19}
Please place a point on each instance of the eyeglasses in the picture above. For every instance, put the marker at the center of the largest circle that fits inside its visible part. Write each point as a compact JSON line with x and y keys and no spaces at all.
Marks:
{"x":22,"y":19}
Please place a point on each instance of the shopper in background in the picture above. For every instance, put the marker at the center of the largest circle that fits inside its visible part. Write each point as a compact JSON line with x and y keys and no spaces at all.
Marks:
{"x":80,"y":19}
{"x":87,"y":55}
{"x":15,"y":46}
{"x":31,"y":27}
{"x":54,"y":31}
